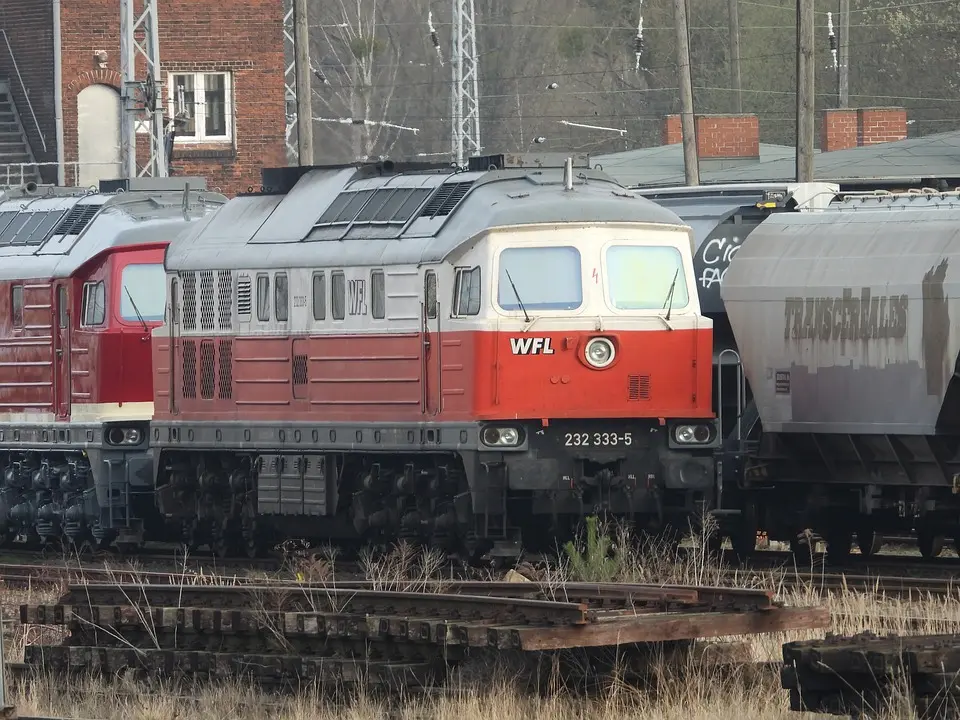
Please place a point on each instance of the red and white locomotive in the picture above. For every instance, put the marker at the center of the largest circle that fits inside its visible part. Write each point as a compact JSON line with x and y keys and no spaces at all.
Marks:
{"x":456,"y":356}
{"x":81,"y":286}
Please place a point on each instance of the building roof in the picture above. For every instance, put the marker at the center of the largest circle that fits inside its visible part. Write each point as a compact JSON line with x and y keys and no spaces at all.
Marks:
{"x":911,"y":160}
{"x":663,"y":165}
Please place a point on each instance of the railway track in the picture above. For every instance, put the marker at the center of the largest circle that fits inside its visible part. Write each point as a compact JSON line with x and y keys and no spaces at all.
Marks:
{"x":22,"y":575}
{"x":16,"y":574}
{"x":354,"y":632}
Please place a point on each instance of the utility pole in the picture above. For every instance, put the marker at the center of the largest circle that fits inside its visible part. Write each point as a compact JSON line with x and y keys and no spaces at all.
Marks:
{"x":290,"y":81}
{"x":688,"y":126}
{"x":734,"y":16}
{"x":465,"y":99}
{"x":136,"y":96}
{"x":301,"y":43}
{"x":843,"y":84}
{"x":805,"y":90}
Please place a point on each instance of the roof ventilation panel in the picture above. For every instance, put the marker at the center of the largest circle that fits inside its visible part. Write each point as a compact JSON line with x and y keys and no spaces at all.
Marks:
{"x":77,"y":219}
{"x":445,"y":199}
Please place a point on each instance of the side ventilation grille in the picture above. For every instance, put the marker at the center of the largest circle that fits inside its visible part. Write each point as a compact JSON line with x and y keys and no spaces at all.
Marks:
{"x":225,"y":298}
{"x":638,"y":387}
{"x":206,"y":300}
{"x":244,"y":296}
{"x":189,"y":369}
{"x":189,"y":281}
{"x":445,"y":199}
{"x":226,"y":369}
{"x":206,"y":370}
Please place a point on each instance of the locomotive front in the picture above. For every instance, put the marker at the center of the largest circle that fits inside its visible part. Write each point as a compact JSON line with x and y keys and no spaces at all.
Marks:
{"x":593,"y":360}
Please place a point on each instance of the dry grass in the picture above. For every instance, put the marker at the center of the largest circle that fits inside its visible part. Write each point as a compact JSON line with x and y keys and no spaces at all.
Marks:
{"x":685,"y":687}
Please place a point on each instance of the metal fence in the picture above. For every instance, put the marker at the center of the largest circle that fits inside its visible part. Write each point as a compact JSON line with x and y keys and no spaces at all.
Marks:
{"x":18,"y":174}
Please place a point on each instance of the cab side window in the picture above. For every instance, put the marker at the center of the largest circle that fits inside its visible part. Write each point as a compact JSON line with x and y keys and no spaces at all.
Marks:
{"x":93,"y":311}
{"x":281,"y":299}
{"x":16,"y":305}
{"x":430,"y":293}
{"x":263,"y":297}
{"x":466,"y":294}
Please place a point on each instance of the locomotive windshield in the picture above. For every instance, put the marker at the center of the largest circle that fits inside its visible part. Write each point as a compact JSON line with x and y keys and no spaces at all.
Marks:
{"x":639,"y":277}
{"x":545,"y":278}
{"x":143,"y":296}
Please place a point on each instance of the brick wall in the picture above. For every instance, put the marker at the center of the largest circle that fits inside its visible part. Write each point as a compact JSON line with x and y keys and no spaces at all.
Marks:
{"x":847,"y":128}
{"x":242,"y":37}
{"x":29,"y":28}
{"x":719,"y":136}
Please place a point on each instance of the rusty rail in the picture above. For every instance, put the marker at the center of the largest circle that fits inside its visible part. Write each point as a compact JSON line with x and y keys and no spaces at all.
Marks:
{"x":353,"y":632}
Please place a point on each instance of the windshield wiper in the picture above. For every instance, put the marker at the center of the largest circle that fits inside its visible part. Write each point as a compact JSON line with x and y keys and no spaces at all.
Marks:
{"x":668,"y":302}
{"x":517,"y":295}
{"x":146,"y":329}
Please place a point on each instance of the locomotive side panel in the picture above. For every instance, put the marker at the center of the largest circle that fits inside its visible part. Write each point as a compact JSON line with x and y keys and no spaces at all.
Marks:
{"x":26,"y":351}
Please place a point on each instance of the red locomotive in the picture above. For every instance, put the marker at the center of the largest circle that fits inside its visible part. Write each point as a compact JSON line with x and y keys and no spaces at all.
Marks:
{"x":464,"y":357}
{"x":81,"y":288}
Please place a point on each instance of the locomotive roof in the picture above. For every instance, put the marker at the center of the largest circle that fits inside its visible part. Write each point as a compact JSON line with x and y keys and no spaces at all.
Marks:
{"x":53,"y":233}
{"x":342,"y":216}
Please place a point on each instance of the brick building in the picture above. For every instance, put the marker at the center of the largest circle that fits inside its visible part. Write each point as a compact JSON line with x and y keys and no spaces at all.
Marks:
{"x":222,"y":71}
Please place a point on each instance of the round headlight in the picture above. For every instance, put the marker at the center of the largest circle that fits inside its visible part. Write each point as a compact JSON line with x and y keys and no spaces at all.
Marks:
{"x":600,"y":352}
{"x":491,"y":436}
{"x":500,"y":437}
{"x":685,"y":434}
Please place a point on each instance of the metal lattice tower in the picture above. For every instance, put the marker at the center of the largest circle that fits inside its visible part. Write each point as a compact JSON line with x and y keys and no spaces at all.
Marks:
{"x":466,"y":83}
{"x":290,"y":82}
{"x":139,"y":17}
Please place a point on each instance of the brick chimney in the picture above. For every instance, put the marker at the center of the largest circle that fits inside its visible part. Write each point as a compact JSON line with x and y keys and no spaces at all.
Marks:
{"x":719,"y":136}
{"x":844,"y":128}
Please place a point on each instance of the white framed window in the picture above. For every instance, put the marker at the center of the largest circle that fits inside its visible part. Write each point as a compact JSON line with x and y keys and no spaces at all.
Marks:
{"x":204,"y":104}
{"x":94,"y":307}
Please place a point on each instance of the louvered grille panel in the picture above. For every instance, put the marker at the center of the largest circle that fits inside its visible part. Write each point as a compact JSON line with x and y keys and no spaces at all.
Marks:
{"x":189,"y":369}
{"x":446,"y":198}
{"x":206,"y":370}
{"x":189,"y":282}
{"x":225,"y":358}
{"x":225,"y":299}
{"x":638,"y":387}
{"x":244,"y":296}
{"x":76,"y":220}
{"x":207,"y":315}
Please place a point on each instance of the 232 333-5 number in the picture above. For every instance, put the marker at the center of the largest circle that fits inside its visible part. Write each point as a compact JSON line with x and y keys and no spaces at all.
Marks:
{"x":605,"y":439}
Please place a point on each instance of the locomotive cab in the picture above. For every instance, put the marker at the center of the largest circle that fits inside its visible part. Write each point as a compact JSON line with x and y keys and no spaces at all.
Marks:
{"x":592,"y":363}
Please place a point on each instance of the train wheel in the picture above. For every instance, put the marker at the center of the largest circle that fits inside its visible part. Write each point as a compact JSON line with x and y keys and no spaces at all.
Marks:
{"x":225,"y":536}
{"x":869,"y":541}
{"x":252,"y":547}
{"x":802,"y":546}
{"x":744,"y":537}
{"x":838,"y":546}
{"x":930,"y":544}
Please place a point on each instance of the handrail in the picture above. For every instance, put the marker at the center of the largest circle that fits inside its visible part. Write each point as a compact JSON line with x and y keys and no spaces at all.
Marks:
{"x":24,"y":88}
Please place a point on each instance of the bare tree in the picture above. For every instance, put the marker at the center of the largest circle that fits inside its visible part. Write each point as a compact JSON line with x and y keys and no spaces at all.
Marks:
{"x":368,"y":54}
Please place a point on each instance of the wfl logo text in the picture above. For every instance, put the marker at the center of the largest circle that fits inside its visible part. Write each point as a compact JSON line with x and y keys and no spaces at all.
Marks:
{"x":531,"y":346}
